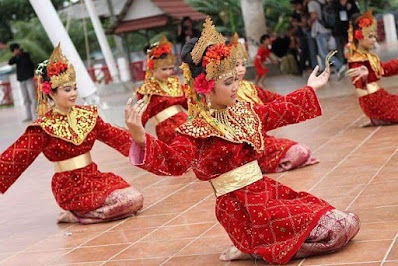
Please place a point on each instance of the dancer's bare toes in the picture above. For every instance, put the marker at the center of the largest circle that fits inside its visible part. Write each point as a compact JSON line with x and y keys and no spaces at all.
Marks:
{"x":66,"y":217}
{"x":232,"y":253}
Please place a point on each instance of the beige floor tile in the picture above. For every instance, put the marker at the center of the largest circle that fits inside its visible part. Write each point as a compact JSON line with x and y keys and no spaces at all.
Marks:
{"x":153,"y":249}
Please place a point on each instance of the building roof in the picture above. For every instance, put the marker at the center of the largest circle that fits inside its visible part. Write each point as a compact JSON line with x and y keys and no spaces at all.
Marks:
{"x":146,"y":14}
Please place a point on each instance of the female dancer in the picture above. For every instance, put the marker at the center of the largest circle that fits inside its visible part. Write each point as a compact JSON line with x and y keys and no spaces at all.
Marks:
{"x":163,"y":92}
{"x":66,"y":134}
{"x":279,"y":154}
{"x":366,"y":70}
{"x":222,"y":143}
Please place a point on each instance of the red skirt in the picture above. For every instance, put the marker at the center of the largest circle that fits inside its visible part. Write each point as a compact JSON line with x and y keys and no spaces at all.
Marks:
{"x":381,"y":106}
{"x":269,"y":219}
{"x":166,"y":130}
{"x":84,"y":189}
{"x":275,"y":150}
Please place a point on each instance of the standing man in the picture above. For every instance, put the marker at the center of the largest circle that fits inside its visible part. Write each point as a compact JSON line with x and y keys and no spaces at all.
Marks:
{"x":322,"y":34}
{"x":345,"y":10}
{"x":25,"y":73}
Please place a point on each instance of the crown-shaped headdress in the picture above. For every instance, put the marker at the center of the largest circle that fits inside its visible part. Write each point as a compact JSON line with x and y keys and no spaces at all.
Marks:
{"x":218,"y":60}
{"x":51,"y":74}
{"x":241,"y":52}
{"x":59,"y":71}
{"x":159,"y":55}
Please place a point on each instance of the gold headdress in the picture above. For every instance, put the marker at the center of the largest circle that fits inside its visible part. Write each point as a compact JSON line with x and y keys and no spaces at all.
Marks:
{"x":60,"y":73}
{"x":218,"y":61}
{"x":367,"y":23}
{"x":241,"y":52}
{"x":160,"y":55}
{"x":51,"y":74}
{"x":364,"y":26}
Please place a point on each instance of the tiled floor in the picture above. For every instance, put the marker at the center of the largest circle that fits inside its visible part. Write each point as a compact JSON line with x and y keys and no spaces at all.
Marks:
{"x":358,"y":172}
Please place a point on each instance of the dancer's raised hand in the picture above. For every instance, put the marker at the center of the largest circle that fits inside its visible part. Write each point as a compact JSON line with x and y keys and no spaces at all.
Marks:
{"x":133,"y":119}
{"x":358,"y":73}
{"x":317,"y":82}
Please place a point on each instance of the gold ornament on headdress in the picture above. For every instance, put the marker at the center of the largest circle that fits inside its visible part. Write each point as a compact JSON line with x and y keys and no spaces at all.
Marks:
{"x":216,"y":68}
{"x":208,"y":37}
{"x":241,"y":52}
{"x":153,"y":55}
{"x":372,"y":28}
{"x":42,"y":100}
{"x":66,"y":78}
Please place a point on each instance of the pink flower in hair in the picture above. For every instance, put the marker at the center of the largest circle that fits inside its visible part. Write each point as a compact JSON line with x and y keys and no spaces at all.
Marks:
{"x":46,"y":87}
{"x":202,"y":85}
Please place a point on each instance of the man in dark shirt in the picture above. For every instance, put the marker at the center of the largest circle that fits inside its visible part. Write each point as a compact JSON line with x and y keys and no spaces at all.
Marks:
{"x":345,"y":10}
{"x":25,"y":73}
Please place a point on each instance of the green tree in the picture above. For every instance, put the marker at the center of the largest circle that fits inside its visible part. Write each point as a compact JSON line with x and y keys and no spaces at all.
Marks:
{"x":16,"y":10}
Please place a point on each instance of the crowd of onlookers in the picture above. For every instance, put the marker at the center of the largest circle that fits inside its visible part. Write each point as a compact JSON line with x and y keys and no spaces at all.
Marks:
{"x":316,"y":27}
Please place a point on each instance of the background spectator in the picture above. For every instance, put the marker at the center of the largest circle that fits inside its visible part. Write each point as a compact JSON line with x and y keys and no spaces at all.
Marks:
{"x":323,"y":33}
{"x":186,"y":31}
{"x":345,"y":9}
{"x":25,"y":73}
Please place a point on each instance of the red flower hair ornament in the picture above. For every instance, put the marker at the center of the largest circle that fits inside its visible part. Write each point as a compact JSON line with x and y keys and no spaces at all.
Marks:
{"x":46,"y":87}
{"x":358,"y":35}
{"x":202,"y":85}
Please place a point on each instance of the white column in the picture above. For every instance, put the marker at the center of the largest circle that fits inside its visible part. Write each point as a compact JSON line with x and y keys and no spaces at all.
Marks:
{"x":390,"y":28}
{"x":103,"y":42}
{"x":254,"y":20}
{"x":57,"y":33}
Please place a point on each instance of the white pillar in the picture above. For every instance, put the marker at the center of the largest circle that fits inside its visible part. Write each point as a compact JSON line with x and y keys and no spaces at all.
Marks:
{"x":103,"y":42}
{"x":254,"y":20}
{"x":390,"y":28}
{"x":57,"y":33}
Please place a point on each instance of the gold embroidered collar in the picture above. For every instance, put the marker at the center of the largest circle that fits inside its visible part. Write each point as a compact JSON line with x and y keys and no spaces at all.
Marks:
{"x":374,"y":61}
{"x":72,"y":127}
{"x":241,"y":120}
{"x":170,"y":88}
{"x":247,"y":92}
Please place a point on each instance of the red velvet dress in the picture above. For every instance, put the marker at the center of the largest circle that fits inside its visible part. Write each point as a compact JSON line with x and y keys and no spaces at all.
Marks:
{"x":80,"y":190}
{"x":163,"y":96}
{"x":264,"y":218}
{"x":379,"y":105}
{"x":261,"y":57}
{"x":275,"y":148}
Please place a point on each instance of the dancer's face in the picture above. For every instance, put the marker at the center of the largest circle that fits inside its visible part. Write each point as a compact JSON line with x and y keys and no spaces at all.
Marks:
{"x":240,"y":68}
{"x":64,"y":97}
{"x":225,"y":92}
{"x":163,"y":73}
{"x":368,"y":42}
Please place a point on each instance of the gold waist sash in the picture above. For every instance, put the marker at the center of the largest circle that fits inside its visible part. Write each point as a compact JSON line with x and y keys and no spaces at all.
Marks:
{"x":166,"y":114}
{"x":370,"y":88}
{"x":74,"y":163}
{"x":237,"y":178}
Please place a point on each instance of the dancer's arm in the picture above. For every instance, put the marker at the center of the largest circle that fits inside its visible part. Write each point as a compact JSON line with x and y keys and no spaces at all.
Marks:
{"x":114,"y":137}
{"x":390,"y":68}
{"x":154,"y":155}
{"x":18,"y":157}
{"x":295,"y":107}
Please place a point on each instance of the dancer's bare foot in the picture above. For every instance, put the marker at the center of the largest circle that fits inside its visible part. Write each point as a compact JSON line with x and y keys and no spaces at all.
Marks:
{"x":368,"y":124}
{"x":232,"y":253}
{"x":66,"y":217}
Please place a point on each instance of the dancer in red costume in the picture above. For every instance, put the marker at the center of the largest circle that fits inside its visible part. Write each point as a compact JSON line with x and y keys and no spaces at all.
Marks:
{"x":222,"y":142}
{"x":366,"y":70}
{"x":279,"y":154}
{"x":163,"y":92}
{"x":66,"y":135}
